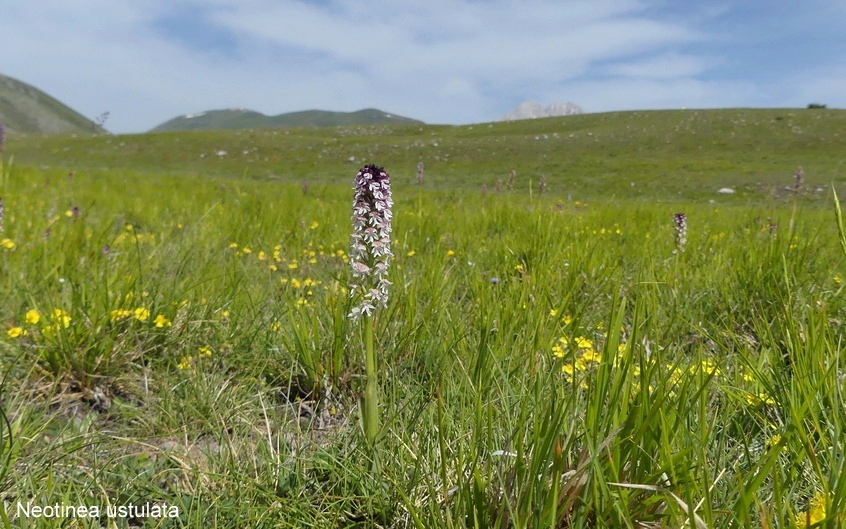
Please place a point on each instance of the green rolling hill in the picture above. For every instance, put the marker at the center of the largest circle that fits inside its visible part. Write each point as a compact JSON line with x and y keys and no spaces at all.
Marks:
{"x":235,"y":119}
{"x":672,"y":155}
{"x":26,"y":109}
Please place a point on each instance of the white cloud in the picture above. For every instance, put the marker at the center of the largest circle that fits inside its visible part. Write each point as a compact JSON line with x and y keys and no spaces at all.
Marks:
{"x":825,"y":86}
{"x":631,"y":93}
{"x":663,"y":66}
{"x":448,"y":36}
{"x":446,"y":61}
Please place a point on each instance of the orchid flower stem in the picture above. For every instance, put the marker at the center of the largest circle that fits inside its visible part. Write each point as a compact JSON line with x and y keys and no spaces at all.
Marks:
{"x":371,"y":389}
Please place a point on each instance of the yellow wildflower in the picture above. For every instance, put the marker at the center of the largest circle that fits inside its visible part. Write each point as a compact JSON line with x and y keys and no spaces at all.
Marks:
{"x":588,"y":358}
{"x":450,"y":253}
{"x":118,"y":314}
{"x":567,"y":319}
{"x":62,"y":318}
{"x":584,"y":343}
{"x":314,"y":224}
{"x":185,"y":363}
{"x":759,"y":399}
{"x":16,"y":332}
{"x":709,"y":367}
{"x":411,"y":253}
{"x":558,"y":351}
{"x":675,"y":374}
{"x":7,"y":244}
{"x":293,"y":265}
{"x":766,"y":399}
{"x":32,"y":317}
{"x":591,"y":356}
{"x":161,"y":321}
{"x":815,"y":513}
{"x":774,"y":440}
{"x":141,"y":314}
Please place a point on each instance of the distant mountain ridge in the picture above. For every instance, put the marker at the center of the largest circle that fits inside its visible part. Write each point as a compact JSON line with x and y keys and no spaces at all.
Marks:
{"x":241,"y":118}
{"x":26,"y":109}
{"x":530,"y":110}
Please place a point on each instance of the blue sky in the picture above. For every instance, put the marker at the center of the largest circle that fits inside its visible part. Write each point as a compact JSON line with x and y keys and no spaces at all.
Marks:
{"x":442,"y":61}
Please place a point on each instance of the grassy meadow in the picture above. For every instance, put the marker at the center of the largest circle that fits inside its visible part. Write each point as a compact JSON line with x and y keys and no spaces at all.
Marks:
{"x":175,"y":330}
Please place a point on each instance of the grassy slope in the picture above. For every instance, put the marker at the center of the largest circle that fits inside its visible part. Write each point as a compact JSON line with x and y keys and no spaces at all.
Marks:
{"x":685,"y":154}
{"x":210,"y":411}
{"x":26,"y":109}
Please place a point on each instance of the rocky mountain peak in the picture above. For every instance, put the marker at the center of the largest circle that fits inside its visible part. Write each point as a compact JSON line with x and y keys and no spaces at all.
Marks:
{"x":531,"y":110}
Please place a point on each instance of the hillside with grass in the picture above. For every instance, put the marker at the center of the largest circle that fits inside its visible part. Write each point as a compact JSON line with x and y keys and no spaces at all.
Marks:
{"x":26,"y":109}
{"x":237,"y":119}
{"x":185,"y":326}
{"x":680,"y":154}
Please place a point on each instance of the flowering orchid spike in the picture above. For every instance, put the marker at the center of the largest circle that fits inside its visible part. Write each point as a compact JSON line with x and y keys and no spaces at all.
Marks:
{"x":370,"y":249}
{"x":680,"y":220}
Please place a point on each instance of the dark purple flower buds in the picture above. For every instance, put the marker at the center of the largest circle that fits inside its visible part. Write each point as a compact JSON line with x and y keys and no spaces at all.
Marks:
{"x":680,"y":220}
{"x":370,"y":252}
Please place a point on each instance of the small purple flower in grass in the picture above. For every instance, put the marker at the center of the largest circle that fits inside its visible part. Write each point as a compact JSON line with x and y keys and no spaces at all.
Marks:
{"x":680,"y":220}
{"x":370,"y":250}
